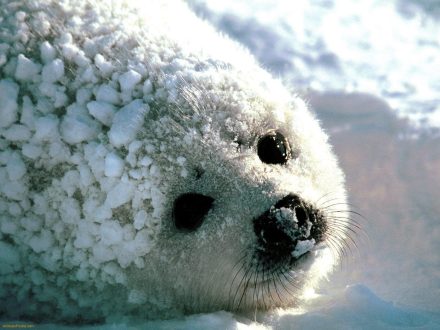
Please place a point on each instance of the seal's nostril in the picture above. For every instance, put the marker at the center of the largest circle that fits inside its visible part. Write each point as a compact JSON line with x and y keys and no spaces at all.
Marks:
{"x":190,"y":209}
{"x":301,"y":216}
{"x":271,"y":235}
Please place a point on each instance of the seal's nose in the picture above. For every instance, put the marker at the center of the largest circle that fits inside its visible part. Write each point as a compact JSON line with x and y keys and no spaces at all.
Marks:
{"x":190,"y":209}
{"x":283,"y":224}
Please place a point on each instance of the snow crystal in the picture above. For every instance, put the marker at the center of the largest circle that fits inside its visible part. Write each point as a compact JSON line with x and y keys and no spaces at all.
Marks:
{"x":8,"y":101}
{"x":127,"y":122}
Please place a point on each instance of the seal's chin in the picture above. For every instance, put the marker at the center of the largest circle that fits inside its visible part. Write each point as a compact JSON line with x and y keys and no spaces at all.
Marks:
{"x":287,"y":273}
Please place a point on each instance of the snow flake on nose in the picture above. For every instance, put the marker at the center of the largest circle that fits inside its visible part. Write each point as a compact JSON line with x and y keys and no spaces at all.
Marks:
{"x":303,"y":247}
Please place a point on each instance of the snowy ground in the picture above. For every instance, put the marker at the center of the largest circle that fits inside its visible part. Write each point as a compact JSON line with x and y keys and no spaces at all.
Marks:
{"x":369,"y":69}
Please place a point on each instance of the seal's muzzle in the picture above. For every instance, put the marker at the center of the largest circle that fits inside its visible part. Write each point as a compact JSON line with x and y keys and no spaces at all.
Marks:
{"x":286,"y":227}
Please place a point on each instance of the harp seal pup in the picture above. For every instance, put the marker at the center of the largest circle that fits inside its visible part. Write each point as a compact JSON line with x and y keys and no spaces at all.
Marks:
{"x":149,"y":167}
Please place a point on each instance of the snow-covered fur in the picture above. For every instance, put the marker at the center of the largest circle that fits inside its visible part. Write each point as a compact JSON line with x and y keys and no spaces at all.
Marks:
{"x":110,"y":110}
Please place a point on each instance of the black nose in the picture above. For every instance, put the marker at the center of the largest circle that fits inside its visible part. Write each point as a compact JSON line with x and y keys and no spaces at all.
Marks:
{"x":190,"y":210}
{"x":283,"y":224}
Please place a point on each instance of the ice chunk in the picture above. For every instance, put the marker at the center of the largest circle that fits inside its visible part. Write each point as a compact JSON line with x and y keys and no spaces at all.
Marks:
{"x":142,"y":243}
{"x":78,"y":128}
{"x":27,"y":113}
{"x":127,"y":122}
{"x":9,"y":259}
{"x":46,"y":128}
{"x":15,"y":167}
{"x":102,"y":111}
{"x":140,"y":219}
{"x":104,"y":66}
{"x":102,"y":253}
{"x":83,"y":95}
{"x":31,"y":224}
{"x":108,"y":94}
{"x":120,"y":194}
{"x":115,"y":272}
{"x":47,"y":52}
{"x":146,"y":161}
{"x":85,"y":174}
{"x":147,"y":88}
{"x":111,"y":232}
{"x":17,"y":132}
{"x":8,"y":102}
{"x":26,"y":69}
{"x":70,"y":210}
{"x":42,"y":242}
{"x":15,"y":190}
{"x":84,"y":238}
{"x":70,"y":182}
{"x":37,"y":277}
{"x":53,"y":71}
{"x":129,"y":79}
{"x":136,"y":297}
{"x":32,"y":151}
{"x":114,"y":165}
{"x":7,"y":225}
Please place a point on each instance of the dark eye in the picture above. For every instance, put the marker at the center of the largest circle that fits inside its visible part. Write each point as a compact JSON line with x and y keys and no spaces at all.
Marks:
{"x":190,"y":209}
{"x":273,"y":148}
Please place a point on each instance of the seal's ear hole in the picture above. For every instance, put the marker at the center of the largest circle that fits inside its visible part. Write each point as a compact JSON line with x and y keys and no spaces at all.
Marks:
{"x":190,"y":209}
{"x":199,"y":172}
{"x":273,"y":148}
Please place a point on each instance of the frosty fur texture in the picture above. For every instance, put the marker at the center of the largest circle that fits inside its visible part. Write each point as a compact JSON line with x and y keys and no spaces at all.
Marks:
{"x":109,"y":111}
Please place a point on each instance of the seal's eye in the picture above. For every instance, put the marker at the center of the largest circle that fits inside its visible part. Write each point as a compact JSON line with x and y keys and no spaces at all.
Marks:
{"x":273,"y":148}
{"x":190,"y":209}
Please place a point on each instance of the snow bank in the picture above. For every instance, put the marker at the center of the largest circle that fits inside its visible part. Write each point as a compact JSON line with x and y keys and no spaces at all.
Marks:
{"x":385,"y":48}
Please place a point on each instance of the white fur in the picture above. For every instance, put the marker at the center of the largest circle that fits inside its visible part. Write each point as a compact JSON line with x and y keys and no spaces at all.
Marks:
{"x":106,"y":110}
